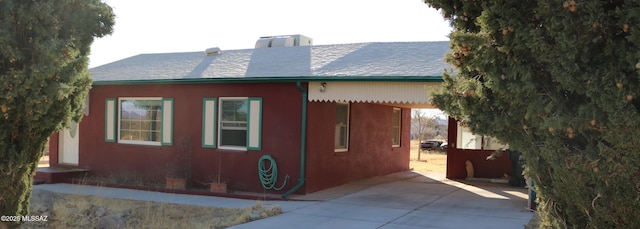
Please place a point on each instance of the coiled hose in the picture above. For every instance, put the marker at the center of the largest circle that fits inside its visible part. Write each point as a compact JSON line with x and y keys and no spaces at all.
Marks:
{"x":269,"y":176}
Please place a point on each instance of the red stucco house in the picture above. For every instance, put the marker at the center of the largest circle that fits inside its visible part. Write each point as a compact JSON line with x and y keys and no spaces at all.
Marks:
{"x":326,"y":114}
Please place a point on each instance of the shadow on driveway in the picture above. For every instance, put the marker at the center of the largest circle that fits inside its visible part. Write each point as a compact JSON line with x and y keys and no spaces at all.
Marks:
{"x":408,"y":200}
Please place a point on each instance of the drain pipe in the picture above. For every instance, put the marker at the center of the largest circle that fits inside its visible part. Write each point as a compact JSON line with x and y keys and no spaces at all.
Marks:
{"x":303,"y":142}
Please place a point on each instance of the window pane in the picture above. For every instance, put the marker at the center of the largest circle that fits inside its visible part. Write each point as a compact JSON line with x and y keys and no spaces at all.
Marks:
{"x":396,"y":127}
{"x":125,"y":124}
{"x":234,"y":110}
{"x":396,"y":117}
{"x":342,"y":114}
{"x":233,"y":122}
{"x":233,"y":137}
{"x":396,"y":136}
{"x":140,"y":120}
{"x":342,"y":126}
{"x":341,"y":137}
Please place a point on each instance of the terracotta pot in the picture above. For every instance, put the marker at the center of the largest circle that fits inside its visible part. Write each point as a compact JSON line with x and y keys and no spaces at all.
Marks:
{"x":176,"y":183}
{"x":218,"y":187}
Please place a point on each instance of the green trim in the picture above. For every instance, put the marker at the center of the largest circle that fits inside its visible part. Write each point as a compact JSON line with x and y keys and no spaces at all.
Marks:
{"x":106,"y":120}
{"x":276,"y":80}
{"x":215,"y":121}
{"x":164,"y":112}
{"x":303,"y":143}
{"x":249,"y":130}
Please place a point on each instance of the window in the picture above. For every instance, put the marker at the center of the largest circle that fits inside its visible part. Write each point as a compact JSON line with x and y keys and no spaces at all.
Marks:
{"x":397,"y":119}
{"x":144,"y":120}
{"x":140,"y":120}
{"x":468,"y":140}
{"x":238,"y":121}
{"x":233,"y":122}
{"x":342,"y":127}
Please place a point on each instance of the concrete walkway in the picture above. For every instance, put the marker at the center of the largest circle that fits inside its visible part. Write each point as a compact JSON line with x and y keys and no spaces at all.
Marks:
{"x":400,"y":200}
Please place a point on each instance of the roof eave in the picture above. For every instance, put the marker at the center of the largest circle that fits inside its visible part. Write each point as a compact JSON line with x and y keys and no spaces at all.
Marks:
{"x":275,"y":80}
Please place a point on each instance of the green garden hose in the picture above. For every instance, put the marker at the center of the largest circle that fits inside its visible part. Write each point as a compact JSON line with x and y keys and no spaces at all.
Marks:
{"x":269,"y":176}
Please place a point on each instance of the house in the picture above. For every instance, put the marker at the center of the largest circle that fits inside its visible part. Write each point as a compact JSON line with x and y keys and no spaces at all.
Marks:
{"x":317,"y":116}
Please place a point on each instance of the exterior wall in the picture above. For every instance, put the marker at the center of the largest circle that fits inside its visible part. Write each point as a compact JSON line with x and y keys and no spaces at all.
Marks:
{"x":281,"y":123}
{"x":370,"y":151}
{"x":370,"y":138}
{"x":483,"y":168}
{"x":53,"y":149}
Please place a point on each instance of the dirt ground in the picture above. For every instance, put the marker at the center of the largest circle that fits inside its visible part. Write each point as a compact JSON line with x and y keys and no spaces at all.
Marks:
{"x":78,"y":211}
{"x":435,"y":161}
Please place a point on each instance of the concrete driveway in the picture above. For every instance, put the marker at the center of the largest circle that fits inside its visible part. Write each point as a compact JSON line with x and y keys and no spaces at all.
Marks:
{"x":407,"y":200}
{"x":400,"y":200}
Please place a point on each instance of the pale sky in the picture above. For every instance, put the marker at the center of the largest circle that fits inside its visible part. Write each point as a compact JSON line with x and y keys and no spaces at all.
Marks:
{"x":157,"y":26}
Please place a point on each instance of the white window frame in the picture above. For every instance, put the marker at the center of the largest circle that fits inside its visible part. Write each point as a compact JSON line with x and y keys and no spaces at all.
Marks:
{"x":346,"y":148}
{"x":119,"y":122}
{"x":220,"y":126}
{"x":393,"y":127}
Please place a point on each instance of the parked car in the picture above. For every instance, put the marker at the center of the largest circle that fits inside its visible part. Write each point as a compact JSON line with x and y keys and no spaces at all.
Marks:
{"x":444,"y":146}
{"x":430,"y":145}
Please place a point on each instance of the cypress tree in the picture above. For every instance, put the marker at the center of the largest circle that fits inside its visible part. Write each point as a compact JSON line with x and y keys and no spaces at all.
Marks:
{"x":44,"y":48}
{"x":559,"y":82}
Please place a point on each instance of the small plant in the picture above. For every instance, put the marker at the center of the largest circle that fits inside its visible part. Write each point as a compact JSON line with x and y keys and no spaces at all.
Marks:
{"x":217,"y":184}
{"x":219,"y":174}
{"x":179,"y":170}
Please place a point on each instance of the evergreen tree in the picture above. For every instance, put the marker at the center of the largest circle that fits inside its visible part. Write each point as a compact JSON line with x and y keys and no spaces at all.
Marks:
{"x":44,"y":81}
{"x":558,"y":81}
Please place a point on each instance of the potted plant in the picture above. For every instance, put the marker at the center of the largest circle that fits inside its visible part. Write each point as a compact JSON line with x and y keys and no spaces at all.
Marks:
{"x":217,"y":185}
{"x":178,"y":171}
{"x":175,"y":179}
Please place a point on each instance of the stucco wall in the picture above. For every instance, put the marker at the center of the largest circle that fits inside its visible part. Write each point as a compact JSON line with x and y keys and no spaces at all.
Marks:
{"x":370,"y":145}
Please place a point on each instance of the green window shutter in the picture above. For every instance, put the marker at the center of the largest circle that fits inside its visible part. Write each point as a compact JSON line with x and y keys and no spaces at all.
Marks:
{"x":166,"y":132}
{"x":110,"y":120}
{"x":209,"y":122}
{"x":254,"y":125}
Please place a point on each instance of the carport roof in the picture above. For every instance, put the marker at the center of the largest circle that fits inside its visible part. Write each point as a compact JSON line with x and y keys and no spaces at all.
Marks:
{"x":379,"y":61}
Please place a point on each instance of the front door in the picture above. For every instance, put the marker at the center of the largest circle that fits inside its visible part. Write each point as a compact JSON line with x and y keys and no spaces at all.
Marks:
{"x":69,"y":145}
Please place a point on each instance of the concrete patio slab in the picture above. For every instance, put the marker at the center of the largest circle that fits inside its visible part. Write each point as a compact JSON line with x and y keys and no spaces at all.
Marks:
{"x":409,"y":201}
{"x":354,"y":212}
{"x":468,"y":203}
{"x":448,"y":220}
{"x":297,"y":220}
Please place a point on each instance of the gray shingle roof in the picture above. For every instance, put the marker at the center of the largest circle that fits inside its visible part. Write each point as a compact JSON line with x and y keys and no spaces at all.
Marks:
{"x":363,"y":60}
